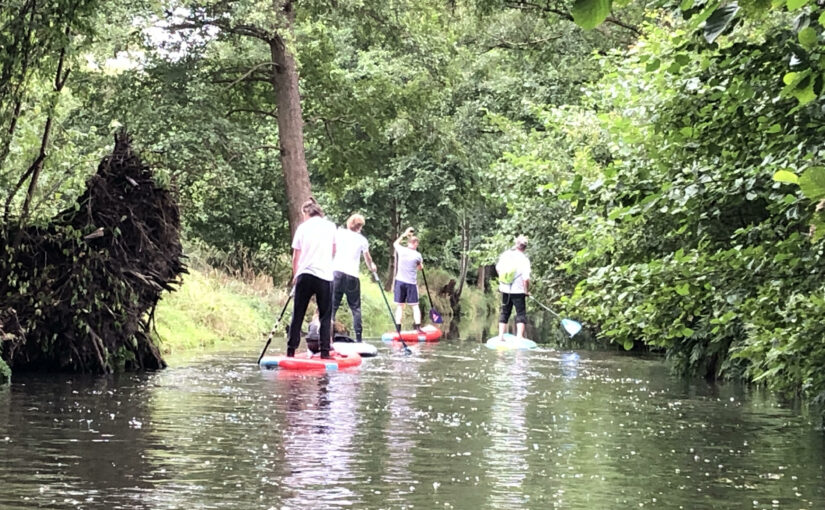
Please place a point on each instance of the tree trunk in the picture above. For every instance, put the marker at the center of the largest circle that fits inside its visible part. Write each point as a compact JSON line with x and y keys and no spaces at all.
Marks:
{"x":482,"y":276}
{"x":465,"y":256}
{"x":290,"y":121}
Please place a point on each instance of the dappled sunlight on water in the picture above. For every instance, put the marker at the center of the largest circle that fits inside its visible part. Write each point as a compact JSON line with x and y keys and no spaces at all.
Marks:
{"x":454,"y":425}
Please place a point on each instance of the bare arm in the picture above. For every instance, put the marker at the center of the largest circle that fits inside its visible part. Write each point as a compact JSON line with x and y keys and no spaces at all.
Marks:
{"x":368,"y":260}
{"x":406,"y":233}
{"x":296,"y":256}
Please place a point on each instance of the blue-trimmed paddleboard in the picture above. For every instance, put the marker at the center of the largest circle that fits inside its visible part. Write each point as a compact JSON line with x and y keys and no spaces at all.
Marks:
{"x":509,"y":341}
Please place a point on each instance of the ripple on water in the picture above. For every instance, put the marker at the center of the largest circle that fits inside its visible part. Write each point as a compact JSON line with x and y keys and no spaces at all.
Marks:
{"x":455,"y":425}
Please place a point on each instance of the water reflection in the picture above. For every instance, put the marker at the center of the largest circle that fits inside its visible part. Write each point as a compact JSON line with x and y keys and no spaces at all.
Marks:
{"x":319,"y":423}
{"x":455,"y":425}
{"x":507,"y":467}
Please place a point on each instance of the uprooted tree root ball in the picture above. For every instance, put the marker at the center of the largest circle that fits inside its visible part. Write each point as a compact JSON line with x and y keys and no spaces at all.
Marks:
{"x":80,"y":294}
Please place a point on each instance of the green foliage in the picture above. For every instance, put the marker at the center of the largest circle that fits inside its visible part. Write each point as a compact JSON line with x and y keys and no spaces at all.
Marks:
{"x":5,"y":373}
{"x":588,"y":14}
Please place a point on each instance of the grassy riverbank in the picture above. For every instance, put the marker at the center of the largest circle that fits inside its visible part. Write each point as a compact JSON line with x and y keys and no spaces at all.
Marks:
{"x":212,"y":308}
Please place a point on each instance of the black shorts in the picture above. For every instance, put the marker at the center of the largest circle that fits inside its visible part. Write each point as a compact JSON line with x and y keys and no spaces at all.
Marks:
{"x":406,"y":293}
{"x":507,"y":303}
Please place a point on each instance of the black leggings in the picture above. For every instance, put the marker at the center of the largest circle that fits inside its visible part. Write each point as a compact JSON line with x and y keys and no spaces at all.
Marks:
{"x":307,"y":286}
{"x":507,"y":302}
{"x":350,"y":286}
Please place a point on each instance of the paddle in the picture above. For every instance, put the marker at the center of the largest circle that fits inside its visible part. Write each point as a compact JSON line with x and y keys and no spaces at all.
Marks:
{"x":434,"y":315}
{"x":272,"y":331}
{"x":572,"y":327}
{"x":397,"y":326}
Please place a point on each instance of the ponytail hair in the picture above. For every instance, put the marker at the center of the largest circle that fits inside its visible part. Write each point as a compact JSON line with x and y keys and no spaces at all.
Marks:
{"x":311,"y":208}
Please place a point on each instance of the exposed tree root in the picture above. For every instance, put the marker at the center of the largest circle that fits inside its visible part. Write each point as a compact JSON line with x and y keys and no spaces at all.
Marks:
{"x":80,"y":294}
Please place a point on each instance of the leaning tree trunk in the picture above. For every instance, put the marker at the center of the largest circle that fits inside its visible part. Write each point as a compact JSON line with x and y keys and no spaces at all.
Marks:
{"x":290,"y":122}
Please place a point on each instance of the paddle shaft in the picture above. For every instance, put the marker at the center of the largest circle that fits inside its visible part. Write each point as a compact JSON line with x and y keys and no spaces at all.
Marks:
{"x":272,"y":331}
{"x":424,"y":274}
{"x":544,"y":306}
{"x":389,"y":309}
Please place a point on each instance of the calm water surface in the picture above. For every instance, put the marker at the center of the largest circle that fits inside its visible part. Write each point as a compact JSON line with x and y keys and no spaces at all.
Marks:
{"x":453,"y":426}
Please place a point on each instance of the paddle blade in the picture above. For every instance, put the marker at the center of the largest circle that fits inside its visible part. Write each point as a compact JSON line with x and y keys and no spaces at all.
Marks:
{"x":572,"y":327}
{"x":435,"y":316}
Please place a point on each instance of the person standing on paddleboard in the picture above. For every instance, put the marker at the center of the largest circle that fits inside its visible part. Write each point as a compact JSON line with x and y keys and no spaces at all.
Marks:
{"x":349,"y":245}
{"x":513,"y":268}
{"x":406,"y":278}
{"x":313,"y":248}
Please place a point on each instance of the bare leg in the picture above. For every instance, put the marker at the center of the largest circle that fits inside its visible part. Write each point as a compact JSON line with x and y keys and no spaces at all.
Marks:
{"x":399,"y":312}
{"x":520,"y":329}
{"x":416,"y":314}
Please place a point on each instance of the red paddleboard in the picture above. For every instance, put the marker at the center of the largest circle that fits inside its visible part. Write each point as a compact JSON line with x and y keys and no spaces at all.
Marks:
{"x":429,"y":333}
{"x":303,"y":361}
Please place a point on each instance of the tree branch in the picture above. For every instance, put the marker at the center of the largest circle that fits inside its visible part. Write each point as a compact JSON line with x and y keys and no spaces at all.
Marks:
{"x":518,"y":4}
{"x":250,"y":71}
{"x":252,"y":110}
{"x":241,"y":30}
{"x":508,"y":45}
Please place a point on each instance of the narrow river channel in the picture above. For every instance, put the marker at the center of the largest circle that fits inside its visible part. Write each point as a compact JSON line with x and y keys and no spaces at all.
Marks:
{"x":453,"y":426}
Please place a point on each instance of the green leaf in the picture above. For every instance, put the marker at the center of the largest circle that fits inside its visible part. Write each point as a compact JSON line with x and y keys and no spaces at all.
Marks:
{"x":807,"y":37}
{"x":589,"y":14}
{"x":719,"y":21}
{"x":686,"y":332}
{"x":627,"y":344}
{"x":796,"y":4}
{"x":683,"y":289}
{"x":822,"y":19}
{"x":785,"y":176}
{"x":812,"y":182}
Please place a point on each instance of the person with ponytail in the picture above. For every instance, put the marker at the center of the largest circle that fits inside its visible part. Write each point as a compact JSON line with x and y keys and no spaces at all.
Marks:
{"x":313,"y":247}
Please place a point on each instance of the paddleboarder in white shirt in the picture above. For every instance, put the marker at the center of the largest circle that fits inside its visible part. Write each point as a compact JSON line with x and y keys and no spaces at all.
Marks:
{"x":350,"y":245}
{"x":313,"y":248}
{"x":513,"y":268}
{"x":406,"y":278}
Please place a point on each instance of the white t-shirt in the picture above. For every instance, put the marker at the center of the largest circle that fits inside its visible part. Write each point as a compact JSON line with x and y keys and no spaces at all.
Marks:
{"x":513,"y":266}
{"x":408,"y":260}
{"x":349,"y":246}
{"x":315,"y":238}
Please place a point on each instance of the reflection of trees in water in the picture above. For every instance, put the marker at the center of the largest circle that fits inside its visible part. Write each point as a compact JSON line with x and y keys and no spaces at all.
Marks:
{"x":401,"y":425}
{"x":74,"y":440}
{"x":505,"y":459}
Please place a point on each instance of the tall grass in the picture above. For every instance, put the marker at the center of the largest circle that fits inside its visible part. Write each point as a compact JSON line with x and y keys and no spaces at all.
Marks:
{"x":211,"y":307}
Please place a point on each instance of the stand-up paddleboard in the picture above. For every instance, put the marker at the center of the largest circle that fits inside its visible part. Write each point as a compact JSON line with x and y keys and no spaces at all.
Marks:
{"x":509,"y":341}
{"x":350,"y":346}
{"x":429,"y":333}
{"x":307,"y":361}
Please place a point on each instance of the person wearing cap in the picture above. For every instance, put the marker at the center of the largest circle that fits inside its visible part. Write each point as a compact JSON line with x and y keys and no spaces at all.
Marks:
{"x":349,"y":246}
{"x":513,"y":268}
{"x":405,"y":288}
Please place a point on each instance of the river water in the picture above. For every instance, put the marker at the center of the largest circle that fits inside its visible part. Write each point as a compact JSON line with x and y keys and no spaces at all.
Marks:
{"x":454,"y":425}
